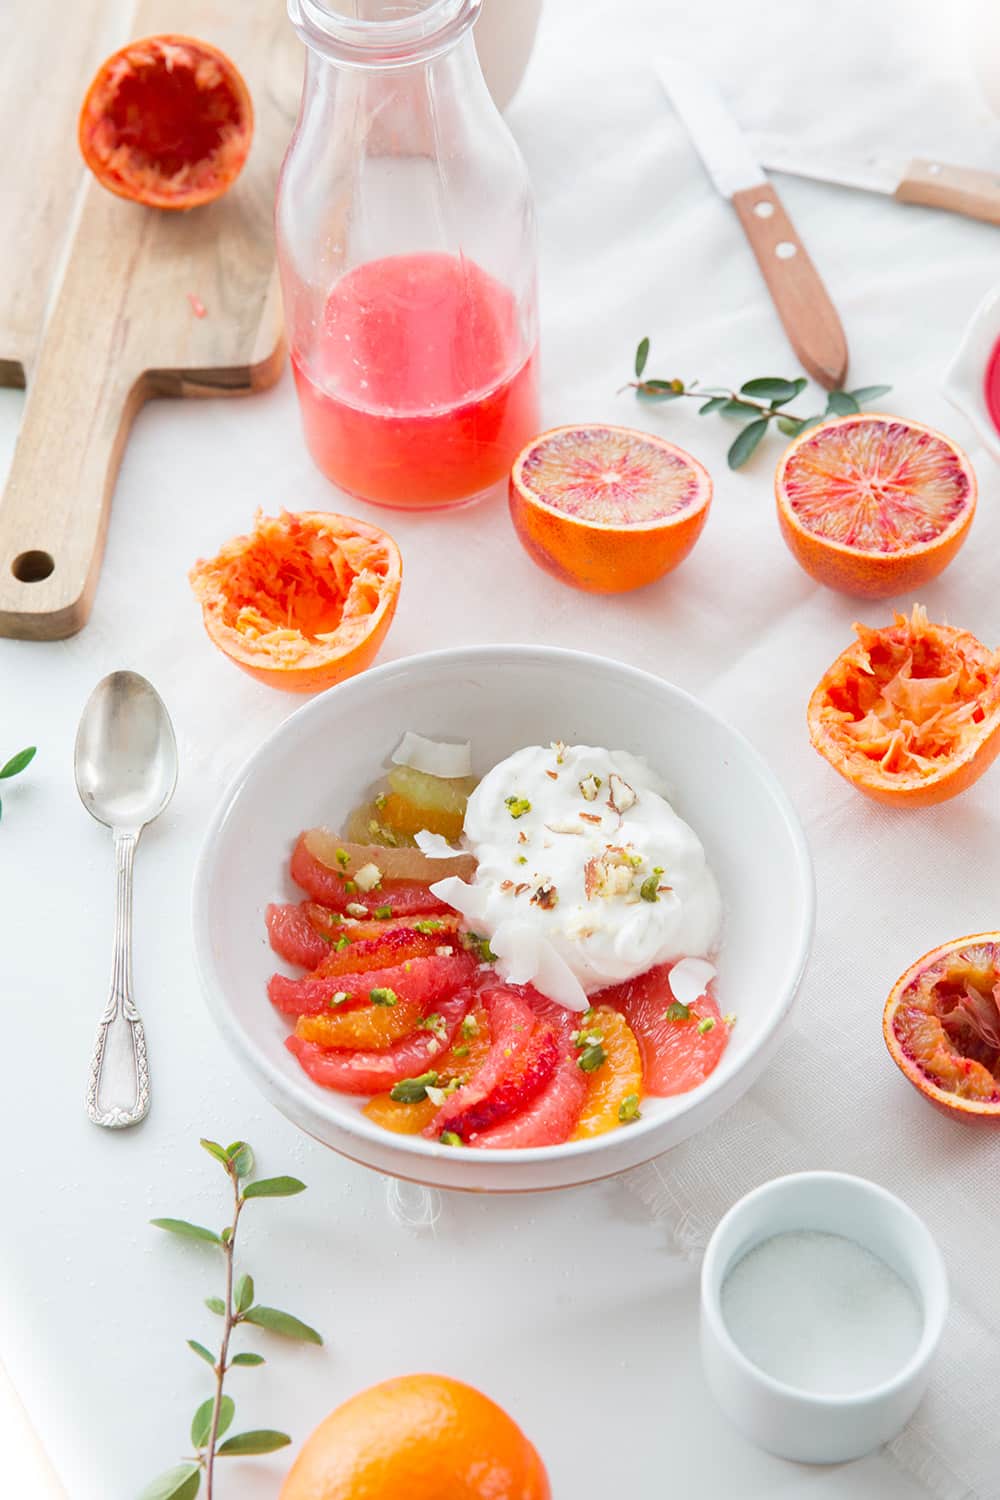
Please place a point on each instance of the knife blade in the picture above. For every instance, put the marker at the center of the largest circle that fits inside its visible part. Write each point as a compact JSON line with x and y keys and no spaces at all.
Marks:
{"x":799,"y":296}
{"x":961,"y":190}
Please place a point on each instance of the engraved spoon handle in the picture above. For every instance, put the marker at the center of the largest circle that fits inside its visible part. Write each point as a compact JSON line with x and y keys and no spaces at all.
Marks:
{"x":118,"y":1091}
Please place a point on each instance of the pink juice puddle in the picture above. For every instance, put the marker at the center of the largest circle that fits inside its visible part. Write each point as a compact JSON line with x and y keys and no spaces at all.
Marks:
{"x":419,"y":391}
{"x":992,"y":386}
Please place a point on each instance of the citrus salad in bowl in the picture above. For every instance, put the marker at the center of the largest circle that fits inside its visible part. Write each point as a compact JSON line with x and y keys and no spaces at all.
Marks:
{"x":517,"y":962}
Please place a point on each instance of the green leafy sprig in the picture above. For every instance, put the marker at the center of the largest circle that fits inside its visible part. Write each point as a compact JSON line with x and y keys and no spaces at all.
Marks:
{"x":16,"y":765}
{"x":238,"y":1306}
{"x":758,"y":402}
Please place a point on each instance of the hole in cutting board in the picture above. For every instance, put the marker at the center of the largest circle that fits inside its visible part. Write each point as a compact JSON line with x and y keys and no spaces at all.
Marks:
{"x":32,"y":567}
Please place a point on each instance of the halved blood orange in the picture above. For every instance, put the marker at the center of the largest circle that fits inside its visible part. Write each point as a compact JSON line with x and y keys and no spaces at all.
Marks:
{"x":607,"y":508}
{"x":909,"y":714}
{"x":874,"y":505}
{"x":167,"y":121}
{"x":942,"y":1026}
{"x":302,"y":602}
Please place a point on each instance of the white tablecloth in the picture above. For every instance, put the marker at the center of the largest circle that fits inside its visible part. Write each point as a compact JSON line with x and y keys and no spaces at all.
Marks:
{"x":572,"y":1309}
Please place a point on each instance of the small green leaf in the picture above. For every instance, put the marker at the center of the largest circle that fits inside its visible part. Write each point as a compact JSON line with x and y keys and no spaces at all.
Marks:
{"x":201,"y":1352}
{"x":866,"y":393}
{"x":738,"y":408}
{"x":248,"y":1359}
{"x":17,"y":762}
{"x":241,"y":1156}
{"x":189,"y":1231}
{"x":274,"y":1187}
{"x":178,"y":1483}
{"x":214,"y":1149}
{"x":771,"y":389}
{"x":790,"y":426}
{"x":746,"y":443}
{"x":841,"y":403}
{"x":282,"y":1322}
{"x":243,"y":1295}
{"x":201,"y":1422}
{"x":216,"y":1305}
{"x":226,"y":1234}
{"x":714,"y":403}
{"x":261,"y":1441}
{"x":641,"y":356}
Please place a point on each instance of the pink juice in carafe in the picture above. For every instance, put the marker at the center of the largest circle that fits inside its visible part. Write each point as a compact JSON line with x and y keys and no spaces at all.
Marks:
{"x":419,"y":388}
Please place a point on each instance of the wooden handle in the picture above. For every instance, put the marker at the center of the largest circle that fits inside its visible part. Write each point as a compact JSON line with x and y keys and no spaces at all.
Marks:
{"x":54,"y":510}
{"x":804,"y":307}
{"x":962,"y":190}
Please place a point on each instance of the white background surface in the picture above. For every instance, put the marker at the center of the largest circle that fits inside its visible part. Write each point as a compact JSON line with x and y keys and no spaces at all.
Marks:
{"x":569,"y":1309}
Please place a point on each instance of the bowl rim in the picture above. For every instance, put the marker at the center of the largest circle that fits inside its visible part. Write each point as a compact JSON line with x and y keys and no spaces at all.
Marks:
{"x":258,"y":1059}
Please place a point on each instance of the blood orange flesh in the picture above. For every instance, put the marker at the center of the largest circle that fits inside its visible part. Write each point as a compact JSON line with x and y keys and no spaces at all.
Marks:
{"x":167,"y":121}
{"x":358,"y":1071}
{"x":424,"y":981}
{"x":607,"y":508}
{"x":874,"y":505}
{"x":942,"y":1026}
{"x":909,"y":714}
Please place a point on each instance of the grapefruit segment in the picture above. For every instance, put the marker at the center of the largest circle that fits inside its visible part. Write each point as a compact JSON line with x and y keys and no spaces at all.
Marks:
{"x":618,"y":1080}
{"x":332,"y":887}
{"x":548,"y":1119}
{"x":167,"y":121}
{"x":361,"y":1071}
{"x":909,"y":714}
{"x":942,"y":1026}
{"x":293,"y":936}
{"x":607,"y":508}
{"x":678,"y":1051}
{"x":463,"y":1058}
{"x":874,"y":505}
{"x":424,"y":981}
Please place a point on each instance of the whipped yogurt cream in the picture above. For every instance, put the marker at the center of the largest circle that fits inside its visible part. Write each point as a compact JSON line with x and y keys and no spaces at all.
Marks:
{"x":586,"y":876}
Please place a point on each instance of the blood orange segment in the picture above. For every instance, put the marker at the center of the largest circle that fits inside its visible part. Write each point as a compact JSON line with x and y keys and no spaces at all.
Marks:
{"x":293,"y":936}
{"x":358,"y":1071}
{"x":421,"y":980}
{"x":303,"y":601}
{"x":548,"y":1119}
{"x":167,"y":121}
{"x":333,"y":888}
{"x":522,"y":1056}
{"x":607,"y":508}
{"x":677,"y":1054}
{"x":463,"y":1058}
{"x":366,"y":1025}
{"x":617,"y":1080}
{"x":874,"y":505}
{"x":909,"y":714}
{"x":393,"y":946}
{"x":942,"y":1026}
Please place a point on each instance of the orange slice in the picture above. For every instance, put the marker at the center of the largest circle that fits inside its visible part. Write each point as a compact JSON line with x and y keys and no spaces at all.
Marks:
{"x":467,"y":1053}
{"x":909,"y":714}
{"x":374,"y":1027}
{"x":942,"y":1026}
{"x":606,"y":508}
{"x":615,"y":1088}
{"x":874,"y":505}
{"x":302,"y":602}
{"x":167,"y":121}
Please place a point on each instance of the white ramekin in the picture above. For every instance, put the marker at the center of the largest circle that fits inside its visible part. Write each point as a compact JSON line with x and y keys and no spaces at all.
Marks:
{"x":797,"y":1424}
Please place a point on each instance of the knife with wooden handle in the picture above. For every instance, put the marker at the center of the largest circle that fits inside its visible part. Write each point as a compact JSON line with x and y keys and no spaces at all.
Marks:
{"x":799,"y":296}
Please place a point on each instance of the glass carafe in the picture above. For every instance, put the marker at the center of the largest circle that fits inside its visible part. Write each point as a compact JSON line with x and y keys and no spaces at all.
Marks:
{"x":406,"y":243}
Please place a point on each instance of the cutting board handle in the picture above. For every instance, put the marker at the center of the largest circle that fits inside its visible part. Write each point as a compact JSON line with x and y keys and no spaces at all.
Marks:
{"x":79,"y":407}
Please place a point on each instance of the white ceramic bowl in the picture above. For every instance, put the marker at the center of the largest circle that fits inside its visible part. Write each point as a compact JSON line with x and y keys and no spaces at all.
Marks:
{"x":797,"y":1424}
{"x":315,"y":768}
{"x":965,"y":377}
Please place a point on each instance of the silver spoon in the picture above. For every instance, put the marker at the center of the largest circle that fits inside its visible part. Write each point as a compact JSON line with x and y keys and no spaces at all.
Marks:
{"x":126,"y":770}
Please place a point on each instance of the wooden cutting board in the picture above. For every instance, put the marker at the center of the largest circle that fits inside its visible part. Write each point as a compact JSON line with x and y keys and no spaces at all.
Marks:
{"x":96,"y":312}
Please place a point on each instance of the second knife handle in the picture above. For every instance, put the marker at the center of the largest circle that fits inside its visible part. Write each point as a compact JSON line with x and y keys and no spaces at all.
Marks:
{"x":962,"y":190}
{"x":802,"y":302}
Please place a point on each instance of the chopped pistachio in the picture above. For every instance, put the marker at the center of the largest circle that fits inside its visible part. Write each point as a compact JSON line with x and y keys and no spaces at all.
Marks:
{"x":649,"y":889}
{"x":355,"y":909}
{"x":517,"y":806}
{"x":382,"y":995}
{"x":349,"y":886}
{"x":449,"y":1138}
{"x":470,"y":1026}
{"x":382,"y":911}
{"x":730,"y":1019}
{"x":705,"y":1025}
{"x":591,"y":1059}
{"x":439,"y":1095}
{"x":343,"y":859}
{"x":522,"y":859}
{"x":427,"y":926}
{"x":413,"y":1090}
{"x":675,"y":1011}
{"x":380,"y":800}
{"x":434,"y":1022}
{"x":342,"y":943}
{"x":476,"y":943}
{"x":462,"y":1051}
{"x":368,"y":877}
{"x":589,"y":788}
{"x":628,"y":1109}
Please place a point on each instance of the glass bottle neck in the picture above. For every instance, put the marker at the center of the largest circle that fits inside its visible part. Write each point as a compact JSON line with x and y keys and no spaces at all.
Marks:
{"x":381,"y":34}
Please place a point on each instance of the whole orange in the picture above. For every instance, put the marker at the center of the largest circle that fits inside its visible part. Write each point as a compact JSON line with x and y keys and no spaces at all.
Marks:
{"x":418,"y":1437}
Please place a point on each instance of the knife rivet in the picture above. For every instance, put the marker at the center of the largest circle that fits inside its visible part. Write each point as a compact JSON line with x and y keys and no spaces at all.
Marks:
{"x":784,"y":249}
{"x":763,"y":209}
{"x":933,"y":169}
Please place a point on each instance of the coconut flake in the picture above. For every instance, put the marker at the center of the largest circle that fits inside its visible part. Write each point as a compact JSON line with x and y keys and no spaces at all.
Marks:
{"x":690,"y":978}
{"x":469,"y":900}
{"x":524,"y":956}
{"x":433,"y":757}
{"x":434,"y":845}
